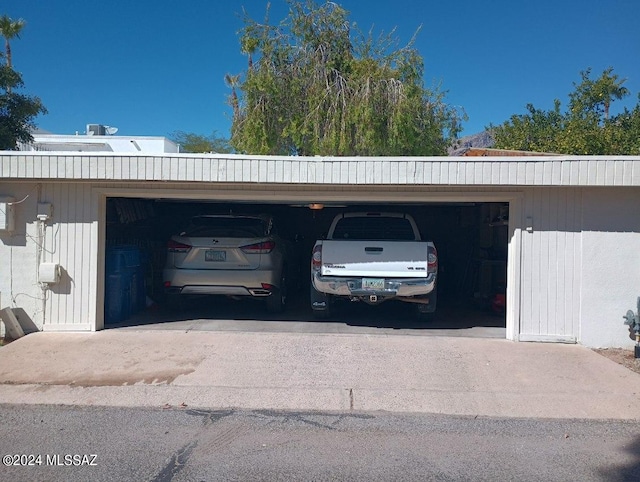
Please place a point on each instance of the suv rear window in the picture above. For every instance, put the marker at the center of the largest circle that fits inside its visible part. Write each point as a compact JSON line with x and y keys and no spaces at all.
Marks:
{"x":225,"y":227}
{"x":374,"y":229}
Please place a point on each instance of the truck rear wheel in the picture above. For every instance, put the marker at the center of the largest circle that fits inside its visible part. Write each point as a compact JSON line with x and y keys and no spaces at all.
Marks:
{"x":427,"y":313}
{"x":425,"y":316}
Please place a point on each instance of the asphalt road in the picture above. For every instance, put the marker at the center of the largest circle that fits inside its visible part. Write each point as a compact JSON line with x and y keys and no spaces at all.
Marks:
{"x":182,"y":444}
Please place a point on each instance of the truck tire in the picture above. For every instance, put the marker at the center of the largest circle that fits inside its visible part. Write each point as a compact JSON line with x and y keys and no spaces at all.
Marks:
{"x":427,"y":313}
{"x":320,"y":304}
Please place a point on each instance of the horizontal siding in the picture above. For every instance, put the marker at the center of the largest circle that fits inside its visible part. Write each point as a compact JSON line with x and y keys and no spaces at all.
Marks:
{"x":450,"y":171}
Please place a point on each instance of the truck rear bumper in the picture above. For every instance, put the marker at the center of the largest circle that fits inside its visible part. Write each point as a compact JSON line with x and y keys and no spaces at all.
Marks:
{"x":393,"y":287}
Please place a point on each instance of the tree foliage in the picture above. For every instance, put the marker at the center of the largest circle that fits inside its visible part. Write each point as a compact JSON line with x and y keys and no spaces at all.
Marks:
{"x":586,"y":127}
{"x":17,"y":111}
{"x":195,"y":143}
{"x":316,"y":85}
{"x":10,"y":29}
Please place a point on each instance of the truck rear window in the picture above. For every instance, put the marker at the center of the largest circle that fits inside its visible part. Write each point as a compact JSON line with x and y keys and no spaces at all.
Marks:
{"x":378,"y":229}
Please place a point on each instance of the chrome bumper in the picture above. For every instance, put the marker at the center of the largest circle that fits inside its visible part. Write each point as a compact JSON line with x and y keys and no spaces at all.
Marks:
{"x":393,"y":287}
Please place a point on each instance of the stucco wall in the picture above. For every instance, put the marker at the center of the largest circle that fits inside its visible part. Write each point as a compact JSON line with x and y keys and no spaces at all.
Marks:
{"x":610,"y":265}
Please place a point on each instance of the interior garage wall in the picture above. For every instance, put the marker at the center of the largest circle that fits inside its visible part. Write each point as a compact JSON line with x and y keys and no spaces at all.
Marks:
{"x":610,"y":264}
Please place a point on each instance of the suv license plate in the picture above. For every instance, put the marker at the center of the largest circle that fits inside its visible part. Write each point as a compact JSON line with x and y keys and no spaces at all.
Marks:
{"x":214,"y":255}
{"x":372,"y":283}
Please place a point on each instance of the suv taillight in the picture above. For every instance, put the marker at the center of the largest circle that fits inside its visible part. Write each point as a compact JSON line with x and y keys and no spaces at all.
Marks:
{"x":259,"y":248}
{"x":432,"y":260}
{"x":176,"y":247}
{"x":316,"y":258}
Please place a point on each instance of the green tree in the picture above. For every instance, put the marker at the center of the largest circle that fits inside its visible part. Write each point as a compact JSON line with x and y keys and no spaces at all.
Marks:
{"x":195,"y":143}
{"x":316,"y":85}
{"x":586,"y":127}
{"x":10,"y":29}
{"x":595,"y":96}
{"x":17,"y":111}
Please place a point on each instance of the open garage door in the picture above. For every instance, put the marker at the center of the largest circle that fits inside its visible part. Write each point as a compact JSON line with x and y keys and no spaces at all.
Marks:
{"x":471,"y":238}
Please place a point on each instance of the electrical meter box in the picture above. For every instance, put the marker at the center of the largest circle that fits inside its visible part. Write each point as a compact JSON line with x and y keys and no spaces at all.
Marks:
{"x":7,"y":214}
{"x":49,"y":273}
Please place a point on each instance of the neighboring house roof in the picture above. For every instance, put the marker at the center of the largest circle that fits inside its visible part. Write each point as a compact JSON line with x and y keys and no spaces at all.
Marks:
{"x":484,"y":152}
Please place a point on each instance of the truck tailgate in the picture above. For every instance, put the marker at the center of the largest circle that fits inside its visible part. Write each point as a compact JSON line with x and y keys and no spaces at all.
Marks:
{"x":383,"y":259}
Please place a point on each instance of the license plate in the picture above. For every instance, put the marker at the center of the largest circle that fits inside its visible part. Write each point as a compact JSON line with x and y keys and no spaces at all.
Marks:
{"x":214,"y":255}
{"x":372,"y":283}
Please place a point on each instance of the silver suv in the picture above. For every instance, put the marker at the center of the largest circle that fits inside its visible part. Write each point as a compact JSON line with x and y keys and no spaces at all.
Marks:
{"x":232,"y":255}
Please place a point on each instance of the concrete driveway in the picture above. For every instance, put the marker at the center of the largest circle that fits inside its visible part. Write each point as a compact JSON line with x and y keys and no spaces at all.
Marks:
{"x":315,"y":371}
{"x":219,"y":314}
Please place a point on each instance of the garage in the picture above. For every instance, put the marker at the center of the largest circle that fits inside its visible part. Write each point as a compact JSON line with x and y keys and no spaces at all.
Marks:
{"x":569,"y":224}
{"x":472,"y":239}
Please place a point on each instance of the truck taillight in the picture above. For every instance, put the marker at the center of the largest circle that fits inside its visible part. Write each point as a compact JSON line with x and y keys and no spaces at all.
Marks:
{"x":316,"y":258}
{"x":432,"y":260}
{"x":259,"y":248}
{"x":176,"y":247}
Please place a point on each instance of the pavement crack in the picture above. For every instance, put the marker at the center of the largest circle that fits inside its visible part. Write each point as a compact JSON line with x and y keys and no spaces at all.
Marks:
{"x":176,"y":463}
{"x":308,"y":418}
{"x":210,"y":416}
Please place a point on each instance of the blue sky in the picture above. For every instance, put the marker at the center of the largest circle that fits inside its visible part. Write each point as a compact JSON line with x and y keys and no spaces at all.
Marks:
{"x":152,"y":67}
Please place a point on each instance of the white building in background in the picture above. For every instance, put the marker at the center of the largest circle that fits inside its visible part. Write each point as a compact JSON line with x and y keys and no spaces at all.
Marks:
{"x":100,"y":138}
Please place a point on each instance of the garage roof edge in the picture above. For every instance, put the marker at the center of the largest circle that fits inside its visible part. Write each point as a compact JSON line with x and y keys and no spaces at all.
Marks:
{"x":235,"y":168}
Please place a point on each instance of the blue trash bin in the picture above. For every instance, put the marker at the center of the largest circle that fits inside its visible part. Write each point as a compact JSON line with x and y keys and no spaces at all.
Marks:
{"x":124,"y":283}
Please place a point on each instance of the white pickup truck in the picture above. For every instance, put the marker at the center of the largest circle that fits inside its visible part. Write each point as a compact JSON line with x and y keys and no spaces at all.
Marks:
{"x":374,"y":257}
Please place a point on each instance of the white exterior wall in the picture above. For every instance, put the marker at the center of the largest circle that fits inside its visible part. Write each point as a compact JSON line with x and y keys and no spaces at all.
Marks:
{"x":610,"y":265}
{"x":580,"y":268}
{"x":571,"y":276}
{"x":72,"y":242}
{"x":69,"y":239}
{"x":19,"y":258}
{"x":551,"y":266}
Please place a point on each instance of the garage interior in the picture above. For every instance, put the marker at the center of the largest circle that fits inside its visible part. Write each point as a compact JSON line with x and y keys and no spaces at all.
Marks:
{"x":471,"y":239}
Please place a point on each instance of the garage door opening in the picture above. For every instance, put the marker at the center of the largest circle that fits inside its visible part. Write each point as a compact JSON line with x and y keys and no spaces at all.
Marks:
{"x":471,"y":238}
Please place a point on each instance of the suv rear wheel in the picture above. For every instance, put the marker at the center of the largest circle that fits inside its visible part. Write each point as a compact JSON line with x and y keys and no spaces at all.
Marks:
{"x":277,"y":300}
